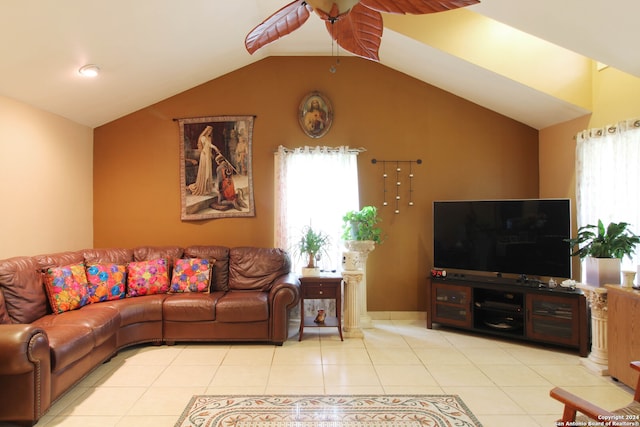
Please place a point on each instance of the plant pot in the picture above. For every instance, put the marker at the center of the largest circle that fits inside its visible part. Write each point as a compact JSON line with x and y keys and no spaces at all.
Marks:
{"x":602,"y":271}
{"x":310,"y":272}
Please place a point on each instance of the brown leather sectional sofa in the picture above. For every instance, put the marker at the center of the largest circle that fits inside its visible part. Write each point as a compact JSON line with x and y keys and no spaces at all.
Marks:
{"x":43,"y":354}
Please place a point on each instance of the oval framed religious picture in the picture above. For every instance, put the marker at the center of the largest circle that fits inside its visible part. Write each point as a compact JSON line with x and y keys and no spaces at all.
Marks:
{"x":315,"y":115}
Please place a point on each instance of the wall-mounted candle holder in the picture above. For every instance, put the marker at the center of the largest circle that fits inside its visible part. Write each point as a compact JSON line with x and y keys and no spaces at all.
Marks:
{"x":398,"y":176}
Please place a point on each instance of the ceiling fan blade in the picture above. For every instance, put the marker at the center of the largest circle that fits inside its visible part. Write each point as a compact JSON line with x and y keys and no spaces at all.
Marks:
{"x":415,"y":7}
{"x":358,"y":32}
{"x":281,"y":23}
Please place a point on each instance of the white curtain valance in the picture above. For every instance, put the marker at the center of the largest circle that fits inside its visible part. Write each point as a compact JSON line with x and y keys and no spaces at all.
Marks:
{"x":320,"y":149}
{"x":608,"y":130}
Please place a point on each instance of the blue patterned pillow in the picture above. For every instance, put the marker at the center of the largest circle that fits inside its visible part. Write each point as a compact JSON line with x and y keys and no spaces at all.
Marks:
{"x":191,"y":275}
{"x":106,"y":282}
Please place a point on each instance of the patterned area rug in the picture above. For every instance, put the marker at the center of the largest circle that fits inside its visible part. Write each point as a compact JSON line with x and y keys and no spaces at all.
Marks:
{"x":327,"y":411}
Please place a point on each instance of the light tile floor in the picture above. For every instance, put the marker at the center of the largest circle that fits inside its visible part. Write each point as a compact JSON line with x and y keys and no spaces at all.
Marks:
{"x":504,"y":383}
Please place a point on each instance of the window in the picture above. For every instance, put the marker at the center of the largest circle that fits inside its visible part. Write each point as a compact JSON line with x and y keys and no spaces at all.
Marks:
{"x":315,"y":186}
{"x":608,"y":178}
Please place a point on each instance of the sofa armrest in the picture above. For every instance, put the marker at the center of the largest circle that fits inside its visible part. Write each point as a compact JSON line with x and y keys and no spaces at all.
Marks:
{"x":21,"y":347}
{"x":286,"y":283}
{"x":283,"y":296}
{"x":25,"y":369}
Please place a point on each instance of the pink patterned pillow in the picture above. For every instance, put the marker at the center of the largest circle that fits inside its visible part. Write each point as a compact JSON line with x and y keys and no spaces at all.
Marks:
{"x":66,"y":287}
{"x":191,"y":275}
{"x":147,"y":277}
{"x":106,"y":282}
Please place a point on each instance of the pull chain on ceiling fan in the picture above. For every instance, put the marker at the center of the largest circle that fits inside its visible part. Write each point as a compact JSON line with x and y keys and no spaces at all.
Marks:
{"x":334,"y":41}
{"x":355,"y":25}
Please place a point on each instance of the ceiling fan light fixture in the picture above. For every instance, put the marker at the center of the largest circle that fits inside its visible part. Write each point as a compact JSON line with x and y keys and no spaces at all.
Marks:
{"x":89,"y":70}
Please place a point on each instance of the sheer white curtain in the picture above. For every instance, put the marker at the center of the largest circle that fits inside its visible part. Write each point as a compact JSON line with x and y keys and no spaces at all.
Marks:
{"x":315,"y":186}
{"x":608,"y":178}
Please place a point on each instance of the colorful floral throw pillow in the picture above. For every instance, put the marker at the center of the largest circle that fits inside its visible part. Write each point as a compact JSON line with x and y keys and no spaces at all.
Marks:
{"x":147,"y":277}
{"x":66,"y":287}
{"x":106,"y":282}
{"x":191,"y":275}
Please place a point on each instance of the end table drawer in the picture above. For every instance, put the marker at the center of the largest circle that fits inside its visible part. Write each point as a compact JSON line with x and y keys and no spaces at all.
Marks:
{"x":320,"y":291}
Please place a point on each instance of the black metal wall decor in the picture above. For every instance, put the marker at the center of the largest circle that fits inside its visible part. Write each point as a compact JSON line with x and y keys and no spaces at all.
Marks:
{"x":398,"y":175}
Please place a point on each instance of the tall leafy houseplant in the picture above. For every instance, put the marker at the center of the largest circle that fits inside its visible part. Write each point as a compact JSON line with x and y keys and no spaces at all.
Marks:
{"x":603,"y":249}
{"x":616,"y":241}
{"x":362,"y":225}
{"x":312,"y":243}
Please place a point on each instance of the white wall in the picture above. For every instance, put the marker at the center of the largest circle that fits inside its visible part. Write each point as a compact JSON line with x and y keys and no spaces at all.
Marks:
{"x":46,"y":182}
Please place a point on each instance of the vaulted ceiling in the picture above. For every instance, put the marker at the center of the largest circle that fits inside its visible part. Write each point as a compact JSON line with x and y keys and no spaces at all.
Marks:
{"x":529,"y":60}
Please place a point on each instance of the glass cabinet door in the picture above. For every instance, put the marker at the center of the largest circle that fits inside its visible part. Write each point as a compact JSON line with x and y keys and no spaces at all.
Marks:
{"x":553,"y":319}
{"x":452,"y":304}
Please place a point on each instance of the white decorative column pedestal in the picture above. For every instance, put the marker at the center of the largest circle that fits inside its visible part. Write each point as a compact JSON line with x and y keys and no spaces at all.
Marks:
{"x":363,"y":247}
{"x":352,"y":280}
{"x":598,"y":359}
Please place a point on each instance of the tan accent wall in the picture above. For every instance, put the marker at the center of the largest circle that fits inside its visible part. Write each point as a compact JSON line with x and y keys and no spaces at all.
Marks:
{"x":557,"y":168}
{"x":46,"y":174}
{"x":467,"y":152}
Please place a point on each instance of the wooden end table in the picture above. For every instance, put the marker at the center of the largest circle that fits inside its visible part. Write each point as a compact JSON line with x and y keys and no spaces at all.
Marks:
{"x":321,"y":287}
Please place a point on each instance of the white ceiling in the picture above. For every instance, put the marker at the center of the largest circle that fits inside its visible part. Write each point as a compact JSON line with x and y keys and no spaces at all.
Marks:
{"x":149,"y":50}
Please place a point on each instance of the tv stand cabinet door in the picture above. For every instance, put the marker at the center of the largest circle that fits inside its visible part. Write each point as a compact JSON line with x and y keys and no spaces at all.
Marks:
{"x":451,"y":304}
{"x":554,"y":319}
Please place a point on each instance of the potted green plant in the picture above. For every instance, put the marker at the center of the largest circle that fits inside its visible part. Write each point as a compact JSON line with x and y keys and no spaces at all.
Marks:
{"x":362,"y":225}
{"x":311,"y":244}
{"x":604,"y":250}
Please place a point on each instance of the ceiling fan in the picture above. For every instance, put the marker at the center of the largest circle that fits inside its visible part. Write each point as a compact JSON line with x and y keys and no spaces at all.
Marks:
{"x":356,"y":25}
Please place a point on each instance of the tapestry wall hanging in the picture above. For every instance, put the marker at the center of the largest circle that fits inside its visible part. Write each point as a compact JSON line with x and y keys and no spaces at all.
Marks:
{"x":215,"y":167}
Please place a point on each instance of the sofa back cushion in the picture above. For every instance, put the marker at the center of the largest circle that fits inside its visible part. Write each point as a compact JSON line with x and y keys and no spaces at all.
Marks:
{"x":220,"y":277}
{"x":108,"y":256}
{"x":253,"y":268}
{"x":59,"y":259}
{"x":23,"y":290}
{"x":148,"y":253}
{"x":4,"y":314}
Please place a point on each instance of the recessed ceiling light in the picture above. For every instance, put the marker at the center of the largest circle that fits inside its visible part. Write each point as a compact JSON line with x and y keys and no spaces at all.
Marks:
{"x":89,"y":70}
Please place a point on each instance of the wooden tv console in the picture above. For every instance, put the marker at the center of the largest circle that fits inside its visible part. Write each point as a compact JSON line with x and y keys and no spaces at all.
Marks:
{"x":510,"y":309}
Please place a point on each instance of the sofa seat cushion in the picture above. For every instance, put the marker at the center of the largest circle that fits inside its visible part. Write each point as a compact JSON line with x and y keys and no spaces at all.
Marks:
{"x":191,"y":307}
{"x":243,"y":306}
{"x":138,"y":310}
{"x":102,"y":321}
{"x":68,"y":343}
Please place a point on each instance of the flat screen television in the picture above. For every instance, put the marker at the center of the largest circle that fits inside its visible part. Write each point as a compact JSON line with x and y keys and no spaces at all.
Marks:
{"x":520,"y":237}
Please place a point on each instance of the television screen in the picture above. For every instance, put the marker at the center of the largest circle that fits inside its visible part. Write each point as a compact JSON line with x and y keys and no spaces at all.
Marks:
{"x":503,"y":236}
